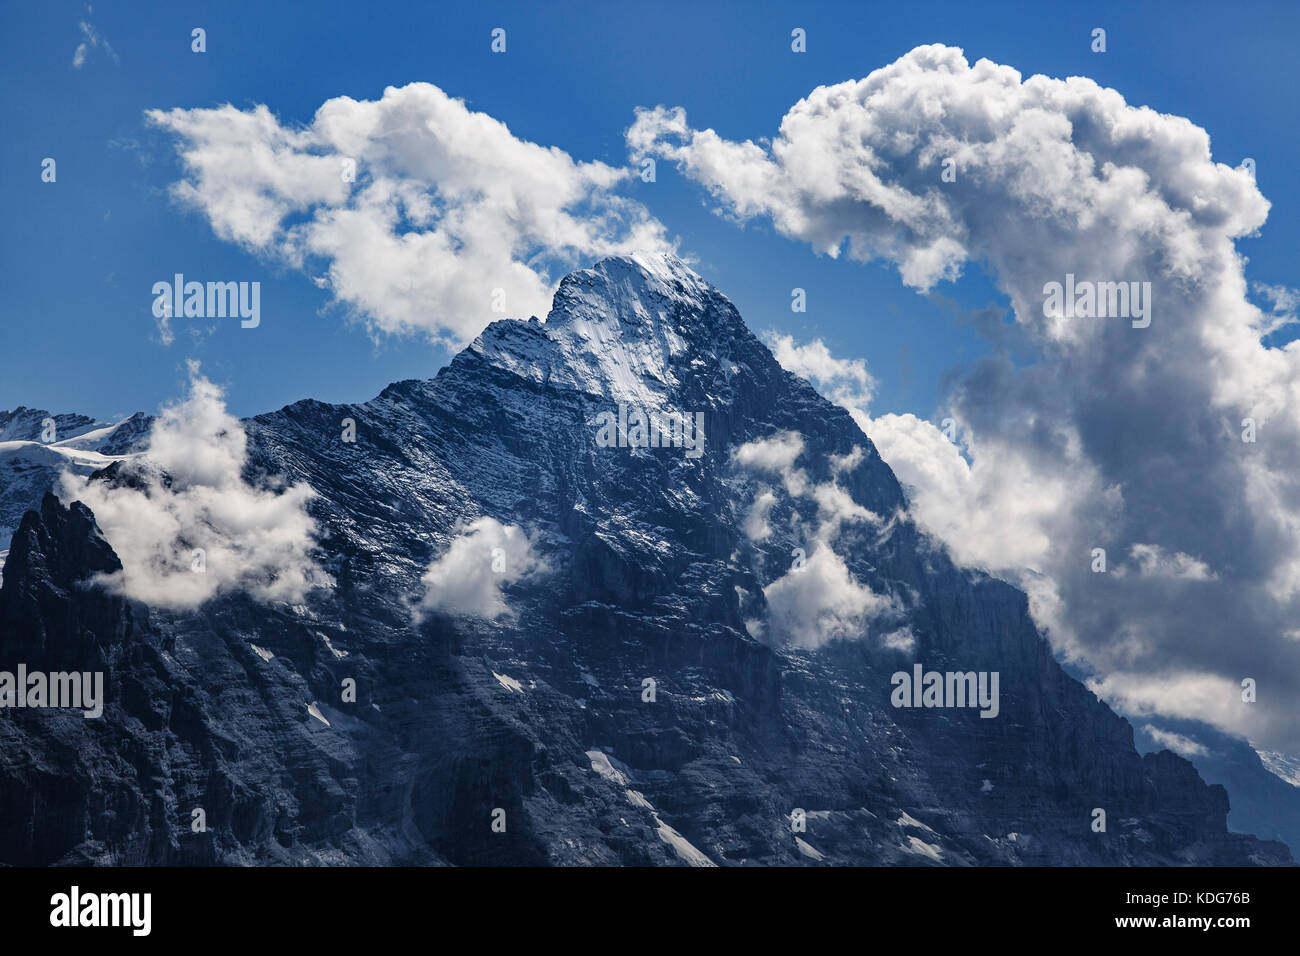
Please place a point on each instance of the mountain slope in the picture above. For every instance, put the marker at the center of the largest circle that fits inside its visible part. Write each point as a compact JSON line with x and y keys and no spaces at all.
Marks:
{"x":772,"y":677}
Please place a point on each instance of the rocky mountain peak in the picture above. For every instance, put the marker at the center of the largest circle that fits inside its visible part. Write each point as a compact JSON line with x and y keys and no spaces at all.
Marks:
{"x":60,"y":546}
{"x":634,"y":329}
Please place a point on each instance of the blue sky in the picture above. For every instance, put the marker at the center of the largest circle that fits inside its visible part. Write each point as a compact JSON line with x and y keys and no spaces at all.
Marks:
{"x":80,"y":255}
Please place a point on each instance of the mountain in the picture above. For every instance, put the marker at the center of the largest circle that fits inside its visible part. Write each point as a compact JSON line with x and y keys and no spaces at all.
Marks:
{"x":36,"y":447}
{"x":770,"y":586}
{"x":1264,"y":802}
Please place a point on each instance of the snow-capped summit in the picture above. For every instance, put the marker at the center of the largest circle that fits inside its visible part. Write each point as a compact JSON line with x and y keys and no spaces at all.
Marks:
{"x":627,"y":329}
{"x":641,"y":290}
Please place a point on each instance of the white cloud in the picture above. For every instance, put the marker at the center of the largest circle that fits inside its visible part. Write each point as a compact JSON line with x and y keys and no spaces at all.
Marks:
{"x":469,"y":577}
{"x":1184,"y":746}
{"x":1115,"y":436}
{"x":775,"y":455}
{"x":844,"y":381}
{"x":188,"y":495}
{"x":756,"y":525}
{"x":447,"y":207}
{"x":90,"y":40}
{"x":823,"y":601}
{"x":165,"y":334}
{"x":1183,"y":695}
{"x":901,"y":640}
{"x":1153,"y":561}
{"x":818,"y":599}
{"x":995,"y":510}
{"x":1284,"y":302}
{"x":841,"y":464}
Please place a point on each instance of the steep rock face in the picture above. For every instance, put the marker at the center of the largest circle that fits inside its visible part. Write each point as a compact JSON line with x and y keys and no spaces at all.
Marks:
{"x":205,"y":722}
{"x":52,"y":558}
{"x":654,"y":568}
{"x":1264,"y":802}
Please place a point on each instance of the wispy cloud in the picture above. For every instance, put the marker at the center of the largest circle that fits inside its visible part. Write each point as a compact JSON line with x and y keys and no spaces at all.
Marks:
{"x":91,"y":40}
{"x":1184,"y":746}
{"x":818,"y":599}
{"x":844,"y":381}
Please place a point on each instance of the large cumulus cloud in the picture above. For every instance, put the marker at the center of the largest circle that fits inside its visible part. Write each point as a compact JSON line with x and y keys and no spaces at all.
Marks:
{"x":417,"y":208}
{"x":1115,"y":437}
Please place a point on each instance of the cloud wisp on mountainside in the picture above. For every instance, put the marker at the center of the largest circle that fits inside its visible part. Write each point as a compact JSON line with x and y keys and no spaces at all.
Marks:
{"x":187,"y":525}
